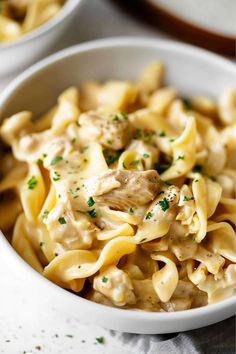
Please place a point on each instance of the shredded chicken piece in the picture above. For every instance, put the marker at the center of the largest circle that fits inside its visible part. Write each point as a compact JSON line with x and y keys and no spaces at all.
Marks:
{"x":111,"y":130}
{"x":121,"y":189}
{"x":116,"y":285}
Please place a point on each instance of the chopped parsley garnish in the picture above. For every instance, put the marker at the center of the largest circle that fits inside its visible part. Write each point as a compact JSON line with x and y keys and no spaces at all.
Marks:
{"x":134,"y":162}
{"x":56,"y":159}
{"x":104,"y":279}
{"x":146,"y":156}
{"x":41,"y":243}
{"x":123,"y":164}
{"x":167,"y":183}
{"x":45,"y":155}
{"x":187,"y":103}
{"x":90,"y":202}
{"x":138,"y":134}
{"x":196,"y":180}
{"x":73,"y":141}
{"x":171,"y":140}
{"x":92,"y":213}
{"x":124,"y":115}
{"x":148,"y":136}
{"x":187,"y":199}
{"x":143,"y":239}
{"x":40,"y":162}
{"x":162,"y":134}
{"x":180,"y":157}
{"x":164,"y":204}
{"x":148,"y":216}
{"x":198,"y":168}
{"x":32,"y":182}
{"x":100,"y":340}
{"x":111,"y":157}
{"x":109,"y":141}
{"x":115,"y":118}
{"x":56,"y":177}
{"x":45,"y":214}
{"x":62,"y":220}
{"x":131,"y":210}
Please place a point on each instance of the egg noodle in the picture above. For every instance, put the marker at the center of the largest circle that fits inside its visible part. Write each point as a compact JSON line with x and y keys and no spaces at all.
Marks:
{"x":18,"y":17}
{"x":125,"y":193}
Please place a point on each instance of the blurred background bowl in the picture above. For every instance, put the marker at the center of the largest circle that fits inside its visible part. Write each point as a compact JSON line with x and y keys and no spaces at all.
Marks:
{"x":19,"y":54}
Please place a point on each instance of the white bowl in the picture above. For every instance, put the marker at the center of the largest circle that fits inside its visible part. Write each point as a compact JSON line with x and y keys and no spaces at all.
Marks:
{"x":25,"y":51}
{"x":192,"y":71}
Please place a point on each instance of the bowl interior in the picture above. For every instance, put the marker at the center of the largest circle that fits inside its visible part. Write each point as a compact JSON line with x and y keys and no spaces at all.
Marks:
{"x":191,"y":70}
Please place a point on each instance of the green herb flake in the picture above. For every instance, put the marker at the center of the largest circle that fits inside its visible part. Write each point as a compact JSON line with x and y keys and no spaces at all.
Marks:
{"x":135,"y":162}
{"x":100,"y":340}
{"x":111,"y":157}
{"x":196,"y":180}
{"x":167,"y":183}
{"x":148,"y":216}
{"x":41,"y":244}
{"x":90,"y":202}
{"x":143,"y":239}
{"x":62,"y":220}
{"x":164,"y":204}
{"x":115,"y":119}
{"x":171,"y":140}
{"x":138,"y":134}
{"x":162,"y":134}
{"x":123,"y":164}
{"x":92,"y":213}
{"x":55,"y":160}
{"x":146,"y":156}
{"x":124,"y":115}
{"x":45,"y":214}
{"x":40,"y":162}
{"x":181,"y":157}
{"x":32,"y":182}
{"x":45,"y":155}
{"x":187,"y":199}
{"x":73,"y":141}
{"x":104,"y":279}
{"x":131,"y":210}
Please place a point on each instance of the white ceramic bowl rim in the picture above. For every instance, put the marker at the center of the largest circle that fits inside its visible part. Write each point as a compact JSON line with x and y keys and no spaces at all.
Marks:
{"x":66,"y":9}
{"x":11,"y":253}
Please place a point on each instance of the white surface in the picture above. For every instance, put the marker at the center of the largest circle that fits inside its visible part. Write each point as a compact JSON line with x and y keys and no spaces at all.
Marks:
{"x":114,"y":59}
{"x":214,"y":15}
{"x":19,"y":54}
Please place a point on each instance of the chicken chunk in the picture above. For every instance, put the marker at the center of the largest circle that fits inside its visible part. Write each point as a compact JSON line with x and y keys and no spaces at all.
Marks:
{"x":111,"y":130}
{"x":122,"y":189}
{"x":115,"y":285}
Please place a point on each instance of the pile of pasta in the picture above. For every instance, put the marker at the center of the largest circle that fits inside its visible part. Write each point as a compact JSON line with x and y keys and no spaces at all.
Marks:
{"x":18,"y":17}
{"x":124,"y":193}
